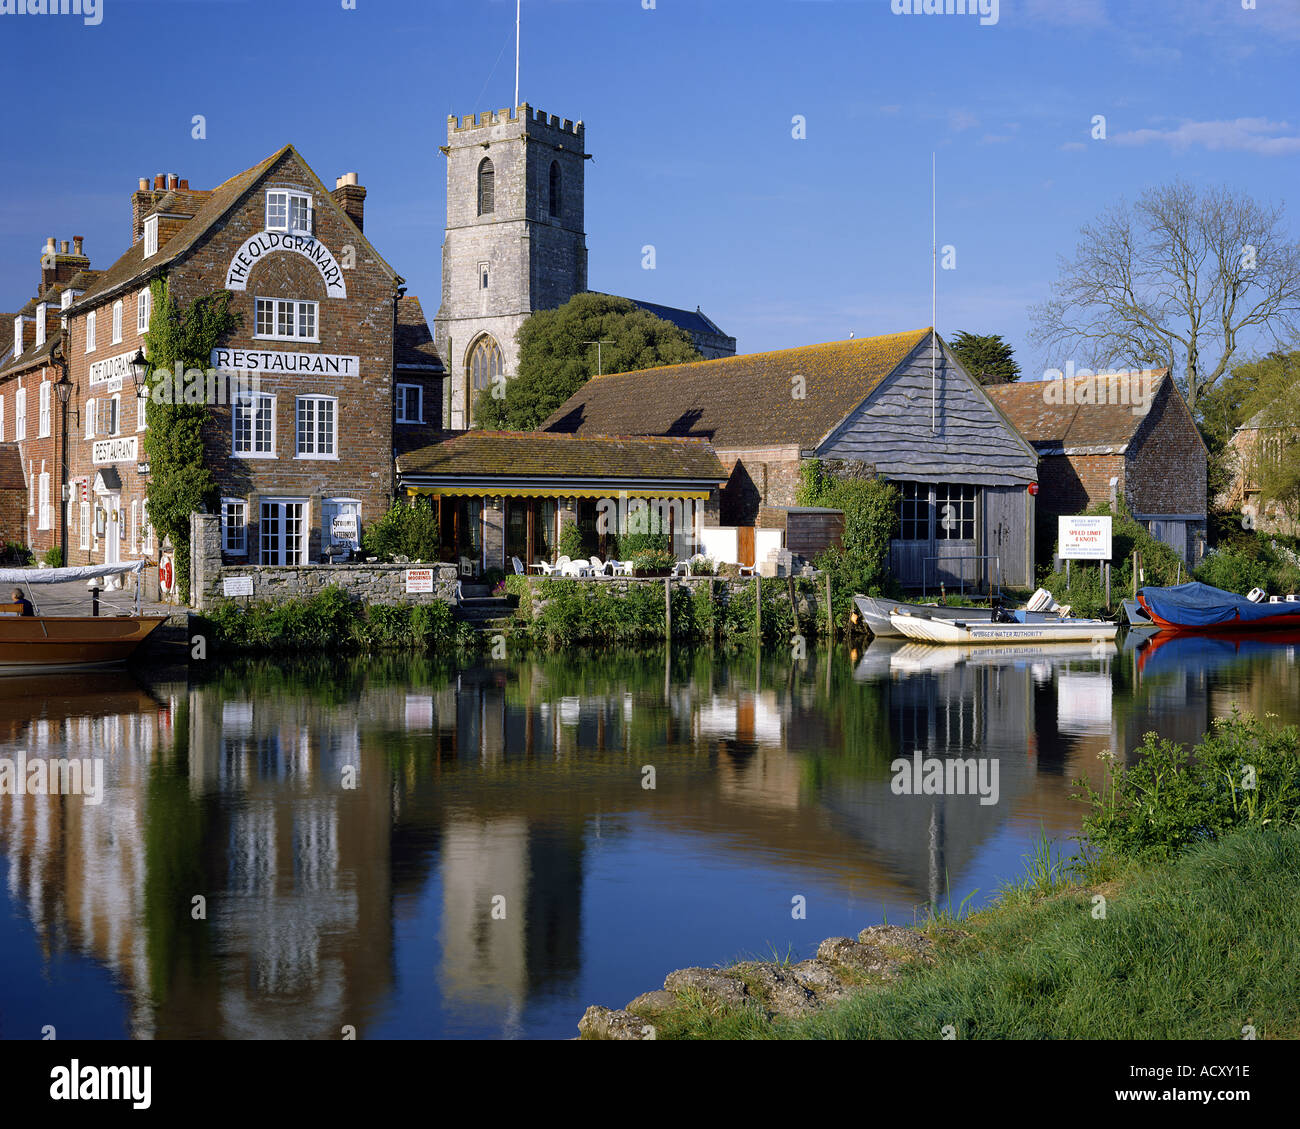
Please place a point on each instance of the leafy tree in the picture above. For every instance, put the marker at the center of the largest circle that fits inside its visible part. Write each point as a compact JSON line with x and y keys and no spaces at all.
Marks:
{"x":555,"y":359}
{"x":180,"y":482}
{"x":988,"y":358}
{"x":1176,"y":280}
{"x":405,"y":530}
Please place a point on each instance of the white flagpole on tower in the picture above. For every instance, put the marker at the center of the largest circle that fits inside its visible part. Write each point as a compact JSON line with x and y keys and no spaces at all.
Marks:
{"x":934,"y":296}
{"x":517,"y":5}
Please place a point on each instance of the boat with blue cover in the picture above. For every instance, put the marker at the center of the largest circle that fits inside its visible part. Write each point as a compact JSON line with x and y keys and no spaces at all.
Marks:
{"x":1200,"y":607}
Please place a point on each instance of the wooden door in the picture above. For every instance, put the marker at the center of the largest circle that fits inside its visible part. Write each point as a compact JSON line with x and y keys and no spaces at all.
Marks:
{"x":745,"y":544}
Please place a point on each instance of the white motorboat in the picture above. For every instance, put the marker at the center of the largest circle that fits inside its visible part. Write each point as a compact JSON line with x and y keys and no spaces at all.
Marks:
{"x":925,"y":628}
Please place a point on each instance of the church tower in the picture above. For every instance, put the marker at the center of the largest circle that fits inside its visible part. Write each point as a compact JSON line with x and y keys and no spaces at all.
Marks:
{"x":515,"y":241}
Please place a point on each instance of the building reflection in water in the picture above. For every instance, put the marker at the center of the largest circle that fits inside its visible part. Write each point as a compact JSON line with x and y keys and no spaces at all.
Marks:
{"x":328,"y":904}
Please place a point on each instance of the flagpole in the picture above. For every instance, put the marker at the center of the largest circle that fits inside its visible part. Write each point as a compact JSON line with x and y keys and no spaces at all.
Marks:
{"x":934,"y":295}
{"x":517,"y":4}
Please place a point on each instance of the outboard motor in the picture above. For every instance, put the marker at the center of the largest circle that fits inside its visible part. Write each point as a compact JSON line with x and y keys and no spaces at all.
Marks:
{"x":1257,"y":595}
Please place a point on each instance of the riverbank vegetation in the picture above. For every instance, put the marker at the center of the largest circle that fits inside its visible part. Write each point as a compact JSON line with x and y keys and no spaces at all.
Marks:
{"x":1178,"y":921}
{"x":332,"y":622}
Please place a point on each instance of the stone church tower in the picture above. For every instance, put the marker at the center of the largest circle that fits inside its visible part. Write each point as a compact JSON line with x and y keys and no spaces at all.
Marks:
{"x":515,"y":241}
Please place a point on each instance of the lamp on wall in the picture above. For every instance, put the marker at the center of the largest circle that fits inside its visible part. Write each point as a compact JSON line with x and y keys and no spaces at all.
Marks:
{"x":139,"y":370}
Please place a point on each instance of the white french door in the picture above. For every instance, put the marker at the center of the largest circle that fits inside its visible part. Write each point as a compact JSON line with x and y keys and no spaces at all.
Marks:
{"x":282,"y":533}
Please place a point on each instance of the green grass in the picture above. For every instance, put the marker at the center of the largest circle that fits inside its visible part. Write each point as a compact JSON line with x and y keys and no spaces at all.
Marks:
{"x":1190,"y":948}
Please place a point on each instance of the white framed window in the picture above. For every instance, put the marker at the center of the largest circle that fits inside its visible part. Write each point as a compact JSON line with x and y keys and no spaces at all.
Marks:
{"x":150,"y":236}
{"x":483,"y":276}
{"x":410,"y":403}
{"x":2,"y":419}
{"x":143,"y":311}
{"x":282,"y":532}
{"x":65,"y":299}
{"x":340,"y":522}
{"x":109,"y":415}
{"x":234,"y":527}
{"x":40,"y":325}
{"x":317,"y":423}
{"x":90,"y":332}
{"x":20,"y":414}
{"x":135,"y":527}
{"x":289,"y":211}
{"x":18,"y":336}
{"x":43,"y":419}
{"x":146,"y":536}
{"x":90,"y":418}
{"x":253,"y":426}
{"x":44,"y":519}
{"x":141,"y":409}
{"x":31,"y":488}
{"x":283,"y":319}
{"x":117,"y":322}
{"x":85,"y":525}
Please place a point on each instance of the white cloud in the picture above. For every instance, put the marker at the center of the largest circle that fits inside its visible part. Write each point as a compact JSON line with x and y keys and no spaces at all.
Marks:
{"x":1245,"y":135}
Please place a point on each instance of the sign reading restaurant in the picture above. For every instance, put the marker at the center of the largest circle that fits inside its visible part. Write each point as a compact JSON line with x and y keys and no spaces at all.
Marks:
{"x":115,"y":451}
{"x":279,"y":361}
{"x":268,"y":242}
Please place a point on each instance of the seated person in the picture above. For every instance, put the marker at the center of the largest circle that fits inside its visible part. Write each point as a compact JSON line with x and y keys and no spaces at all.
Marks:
{"x":24,"y":604}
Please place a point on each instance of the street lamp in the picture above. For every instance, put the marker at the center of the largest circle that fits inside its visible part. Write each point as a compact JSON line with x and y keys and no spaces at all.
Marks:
{"x":139,"y":370}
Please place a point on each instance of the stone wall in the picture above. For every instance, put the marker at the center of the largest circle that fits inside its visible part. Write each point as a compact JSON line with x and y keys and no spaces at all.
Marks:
{"x":369,"y":583}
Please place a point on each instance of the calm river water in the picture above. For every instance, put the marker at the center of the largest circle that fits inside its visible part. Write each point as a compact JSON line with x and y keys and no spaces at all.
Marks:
{"x":420,"y":851}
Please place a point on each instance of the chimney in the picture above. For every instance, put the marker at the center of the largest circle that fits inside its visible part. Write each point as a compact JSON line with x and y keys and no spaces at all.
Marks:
{"x":184,"y":186}
{"x":49,"y":266}
{"x":172,"y":181}
{"x":144,"y":184}
{"x":159,"y":181}
{"x":77,"y":241}
{"x":351,"y":197}
{"x":63,"y":246}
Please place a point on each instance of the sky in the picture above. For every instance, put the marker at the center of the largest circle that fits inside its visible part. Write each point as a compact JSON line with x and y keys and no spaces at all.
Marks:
{"x":690,"y":109}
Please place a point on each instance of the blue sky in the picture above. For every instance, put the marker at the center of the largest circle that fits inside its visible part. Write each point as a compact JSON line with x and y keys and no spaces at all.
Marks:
{"x":689,"y":109}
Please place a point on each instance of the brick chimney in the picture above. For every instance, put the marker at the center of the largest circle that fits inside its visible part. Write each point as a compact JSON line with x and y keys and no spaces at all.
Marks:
{"x":57,"y":266}
{"x":351,"y":198}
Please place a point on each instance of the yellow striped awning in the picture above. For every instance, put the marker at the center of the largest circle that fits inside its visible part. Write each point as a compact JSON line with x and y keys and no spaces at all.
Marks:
{"x":551,"y":492}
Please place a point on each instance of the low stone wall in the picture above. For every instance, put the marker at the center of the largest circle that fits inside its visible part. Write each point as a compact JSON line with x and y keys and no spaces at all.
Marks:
{"x":369,"y":583}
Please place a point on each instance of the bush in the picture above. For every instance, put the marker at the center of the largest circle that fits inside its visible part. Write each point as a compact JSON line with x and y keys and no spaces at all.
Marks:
{"x":571,"y":541}
{"x":654,"y":560}
{"x":54,"y":557}
{"x":1243,"y":773}
{"x":1251,"y":562}
{"x":409,"y":531}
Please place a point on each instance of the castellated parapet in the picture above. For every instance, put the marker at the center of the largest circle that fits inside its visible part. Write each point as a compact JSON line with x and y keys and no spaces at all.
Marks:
{"x":536,"y":122}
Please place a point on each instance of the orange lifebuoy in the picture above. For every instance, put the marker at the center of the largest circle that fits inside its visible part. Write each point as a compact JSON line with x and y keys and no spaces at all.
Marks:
{"x":165,"y":574}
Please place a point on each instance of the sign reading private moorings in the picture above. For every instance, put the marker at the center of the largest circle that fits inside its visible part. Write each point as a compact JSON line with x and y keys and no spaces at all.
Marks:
{"x":419,"y":580}
{"x":269,"y":242}
{"x":283,"y":362}
{"x":115,"y":451}
{"x":112,"y":368}
{"x":1084,"y":538}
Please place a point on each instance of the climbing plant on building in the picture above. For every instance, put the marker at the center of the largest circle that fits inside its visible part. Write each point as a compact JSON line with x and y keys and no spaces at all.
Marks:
{"x":180,"y":482}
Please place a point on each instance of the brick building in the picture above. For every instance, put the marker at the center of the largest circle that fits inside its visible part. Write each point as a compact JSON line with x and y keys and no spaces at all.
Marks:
{"x":31,"y":418}
{"x":1102,"y":438}
{"x":1262,"y":438}
{"x":302,"y":461}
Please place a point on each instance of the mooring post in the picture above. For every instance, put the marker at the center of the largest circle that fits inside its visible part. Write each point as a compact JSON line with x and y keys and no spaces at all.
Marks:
{"x":1106,"y":569}
{"x":668,"y":608}
{"x":758,"y":607}
{"x":94,"y":601}
{"x":830,"y":615}
{"x":1135,"y":574}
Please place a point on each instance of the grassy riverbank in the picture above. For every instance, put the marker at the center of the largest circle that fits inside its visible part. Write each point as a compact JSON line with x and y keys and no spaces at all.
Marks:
{"x":1181,"y":922}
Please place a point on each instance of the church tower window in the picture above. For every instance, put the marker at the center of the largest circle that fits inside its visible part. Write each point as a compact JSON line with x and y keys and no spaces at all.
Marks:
{"x":484,"y":363}
{"x":486,"y":188}
{"x":556,"y":187}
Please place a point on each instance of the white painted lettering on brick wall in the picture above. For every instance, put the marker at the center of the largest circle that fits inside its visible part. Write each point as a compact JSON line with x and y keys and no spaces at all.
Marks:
{"x":115,"y":451}
{"x":112,"y":369}
{"x":269,"y":242}
{"x":280,"y":361}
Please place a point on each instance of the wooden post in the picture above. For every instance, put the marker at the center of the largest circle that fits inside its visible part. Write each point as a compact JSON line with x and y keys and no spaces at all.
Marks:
{"x":1106,"y":568}
{"x":1135,"y":574}
{"x":830,"y":615}
{"x":758,"y":607}
{"x":668,"y":608}
{"x":1067,"y":573}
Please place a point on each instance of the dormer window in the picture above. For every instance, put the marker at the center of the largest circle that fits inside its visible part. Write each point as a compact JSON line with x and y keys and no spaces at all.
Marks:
{"x":40,"y":325}
{"x":289,"y":211}
{"x":151,"y":236}
{"x":18,"y":335}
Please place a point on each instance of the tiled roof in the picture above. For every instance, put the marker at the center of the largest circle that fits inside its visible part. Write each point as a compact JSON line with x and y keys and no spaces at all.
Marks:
{"x":133,"y":267}
{"x":745,"y":401}
{"x":34,"y":355}
{"x":532,"y":454}
{"x":1048,"y":412}
{"x":11,"y":468}
{"x":691,"y":321}
{"x":414,"y":345}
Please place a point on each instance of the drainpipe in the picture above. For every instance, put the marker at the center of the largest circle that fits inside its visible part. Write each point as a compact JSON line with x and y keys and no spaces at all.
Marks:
{"x":399,"y":291}
{"x":57,"y":357}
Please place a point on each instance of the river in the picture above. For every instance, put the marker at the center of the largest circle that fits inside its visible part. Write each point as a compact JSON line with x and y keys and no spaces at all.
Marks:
{"x":412,"y":850}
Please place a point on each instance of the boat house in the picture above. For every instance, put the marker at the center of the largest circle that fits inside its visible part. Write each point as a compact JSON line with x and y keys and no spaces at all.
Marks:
{"x":899,"y":405}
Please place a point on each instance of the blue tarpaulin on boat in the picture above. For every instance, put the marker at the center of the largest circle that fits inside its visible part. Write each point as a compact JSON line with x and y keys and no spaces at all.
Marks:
{"x":1199,"y":605}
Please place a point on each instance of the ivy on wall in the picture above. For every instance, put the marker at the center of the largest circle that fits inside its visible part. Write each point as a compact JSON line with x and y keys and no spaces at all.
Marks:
{"x":180,"y":481}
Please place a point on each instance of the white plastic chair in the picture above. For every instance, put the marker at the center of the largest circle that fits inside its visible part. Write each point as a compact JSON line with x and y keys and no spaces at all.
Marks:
{"x":599,"y":567}
{"x":518,"y":566}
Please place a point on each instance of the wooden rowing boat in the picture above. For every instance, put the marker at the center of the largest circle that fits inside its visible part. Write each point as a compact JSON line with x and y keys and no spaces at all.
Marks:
{"x":29,"y":644}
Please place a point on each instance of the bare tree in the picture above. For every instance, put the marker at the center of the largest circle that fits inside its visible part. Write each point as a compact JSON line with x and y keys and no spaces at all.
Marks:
{"x":1176,"y":280}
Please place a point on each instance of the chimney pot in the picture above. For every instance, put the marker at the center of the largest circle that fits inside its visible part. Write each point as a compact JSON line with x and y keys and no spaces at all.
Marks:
{"x":172,"y":180}
{"x":63,"y":246}
{"x":184,"y":185}
{"x":76,"y":244}
{"x":49,"y":246}
{"x":144,"y":184}
{"x":158,"y":181}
